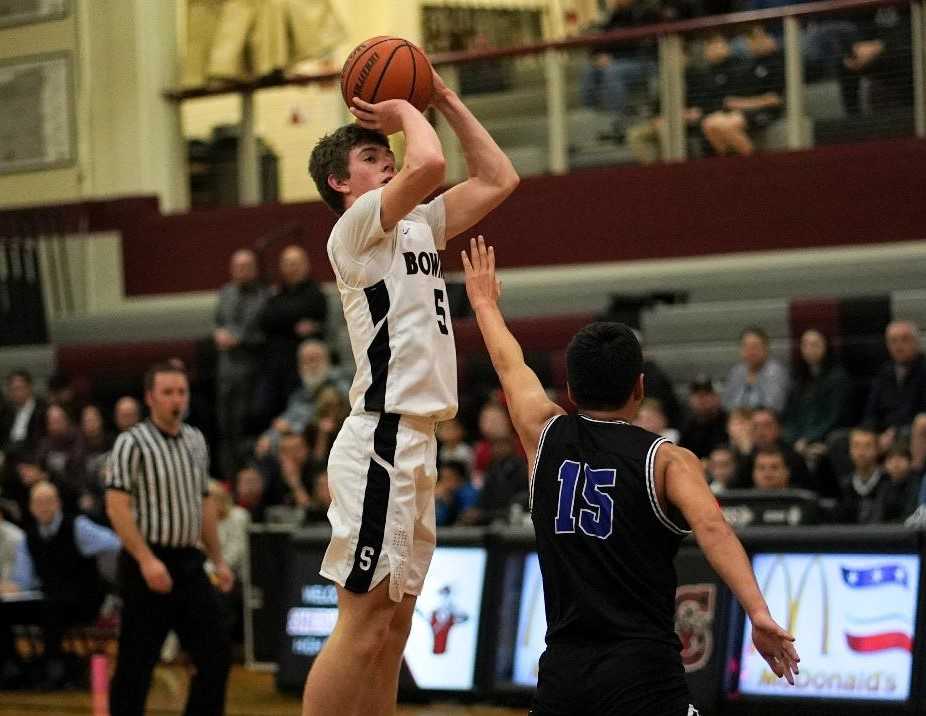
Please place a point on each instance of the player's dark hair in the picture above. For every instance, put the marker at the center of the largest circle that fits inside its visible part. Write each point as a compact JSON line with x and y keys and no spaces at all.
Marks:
{"x":603,"y":363}
{"x":330,"y":158}
{"x":162,"y":367}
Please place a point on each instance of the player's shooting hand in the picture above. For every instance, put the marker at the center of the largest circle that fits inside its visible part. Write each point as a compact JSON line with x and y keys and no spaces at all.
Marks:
{"x":776,"y":646}
{"x":385,"y":116}
{"x":482,"y":287}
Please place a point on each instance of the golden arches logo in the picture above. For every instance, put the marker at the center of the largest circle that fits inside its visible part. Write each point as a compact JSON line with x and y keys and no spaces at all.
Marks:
{"x":793,"y":597}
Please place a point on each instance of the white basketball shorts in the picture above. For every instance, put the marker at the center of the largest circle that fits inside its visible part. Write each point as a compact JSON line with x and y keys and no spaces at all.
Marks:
{"x":381,"y":473}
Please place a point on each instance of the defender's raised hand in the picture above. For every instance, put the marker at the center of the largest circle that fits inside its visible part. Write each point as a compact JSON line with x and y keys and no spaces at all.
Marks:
{"x":482,"y":287}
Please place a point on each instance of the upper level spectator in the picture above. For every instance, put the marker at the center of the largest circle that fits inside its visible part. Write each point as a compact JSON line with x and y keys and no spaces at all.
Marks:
{"x":296,"y":310}
{"x":898,"y":392}
{"x":22,"y":420}
{"x":766,"y":435}
{"x":251,"y":492}
{"x":62,"y":391}
{"x":614,"y":70}
{"x":706,"y":427}
{"x":98,"y":443}
{"x":238,"y":340}
{"x":453,"y":493}
{"x":755,"y":101}
{"x":757,"y":381}
{"x":864,"y":490}
{"x":127,"y":413}
{"x":739,"y":432}
{"x":819,"y":394}
{"x":770,"y":470}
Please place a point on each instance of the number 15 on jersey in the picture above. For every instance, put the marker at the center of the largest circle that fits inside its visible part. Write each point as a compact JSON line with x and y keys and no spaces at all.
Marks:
{"x":596,"y":508}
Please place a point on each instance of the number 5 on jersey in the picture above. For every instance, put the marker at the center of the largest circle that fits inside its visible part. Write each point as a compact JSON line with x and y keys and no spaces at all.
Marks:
{"x":596,"y":510}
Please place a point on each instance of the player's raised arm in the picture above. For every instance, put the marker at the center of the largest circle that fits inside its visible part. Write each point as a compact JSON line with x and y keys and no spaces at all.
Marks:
{"x":686,"y":488}
{"x":528,"y":403}
{"x":423,"y":168}
{"x":492,"y":176}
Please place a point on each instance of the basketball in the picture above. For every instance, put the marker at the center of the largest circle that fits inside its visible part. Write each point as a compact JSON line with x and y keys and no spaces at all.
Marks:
{"x":384,"y":68}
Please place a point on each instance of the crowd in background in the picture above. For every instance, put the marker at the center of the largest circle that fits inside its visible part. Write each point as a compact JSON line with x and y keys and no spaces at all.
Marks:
{"x":280,"y":395}
{"x":735,"y":77}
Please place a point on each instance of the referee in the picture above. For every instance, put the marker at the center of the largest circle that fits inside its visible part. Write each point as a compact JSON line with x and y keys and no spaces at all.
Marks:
{"x":157,"y":499}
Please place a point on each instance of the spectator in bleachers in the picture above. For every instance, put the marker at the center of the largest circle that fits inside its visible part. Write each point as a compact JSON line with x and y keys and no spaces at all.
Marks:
{"x":819,"y":396}
{"x":657,"y":384}
{"x":332,"y":409}
{"x":902,"y":493}
{"x":453,"y":492}
{"x":721,"y":469}
{"x":232,"y":527}
{"x":651,"y":416}
{"x":615,"y":70}
{"x":127,"y":413}
{"x":898,"y":392}
{"x":494,"y":426}
{"x":739,"y":432}
{"x":250,"y":492}
{"x":62,"y":391}
{"x":288,"y":476}
{"x":756,"y":98}
{"x":863,"y":491}
{"x":706,"y":426}
{"x":27,"y":473}
{"x":22,"y":420}
{"x":451,"y":444}
{"x":317,"y":511}
{"x":97,"y":445}
{"x":316,"y":374}
{"x":238,"y":341}
{"x":296,"y":310}
{"x":58,"y":556}
{"x":61,"y":455}
{"x":757,"y":381}
{"x":505,"y":480}
{"x":11,"y":668}
{"x":766,"y":435}
{"x":770,"y":470}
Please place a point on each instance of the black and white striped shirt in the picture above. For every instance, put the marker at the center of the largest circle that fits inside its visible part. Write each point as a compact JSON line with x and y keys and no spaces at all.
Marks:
{"x":168,"y":476}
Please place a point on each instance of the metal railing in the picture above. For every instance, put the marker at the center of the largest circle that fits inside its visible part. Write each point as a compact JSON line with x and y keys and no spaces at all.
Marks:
{"x":534,"y":102}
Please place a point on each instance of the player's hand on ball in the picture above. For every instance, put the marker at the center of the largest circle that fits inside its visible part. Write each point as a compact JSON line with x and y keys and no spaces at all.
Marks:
{"x":776,"y":646}
{"x":482,"y":287}
{"x":385,"y":117}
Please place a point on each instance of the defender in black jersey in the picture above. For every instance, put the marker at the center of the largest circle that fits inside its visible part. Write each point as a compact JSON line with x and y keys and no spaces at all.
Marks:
{"x":610,"y":504}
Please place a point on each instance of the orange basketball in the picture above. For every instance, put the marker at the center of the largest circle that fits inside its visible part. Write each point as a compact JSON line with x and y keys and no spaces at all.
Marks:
{"x":387,"y":68}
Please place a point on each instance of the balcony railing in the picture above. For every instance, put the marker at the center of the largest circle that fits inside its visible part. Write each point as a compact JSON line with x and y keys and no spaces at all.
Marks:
{"x":852,"y":70}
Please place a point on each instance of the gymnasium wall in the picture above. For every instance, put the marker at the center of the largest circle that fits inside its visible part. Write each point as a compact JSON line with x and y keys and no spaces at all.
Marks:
{"x":849,"y":195}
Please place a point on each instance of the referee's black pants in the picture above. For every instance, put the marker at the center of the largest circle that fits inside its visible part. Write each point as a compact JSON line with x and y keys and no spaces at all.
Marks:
{"x":191,"y":609}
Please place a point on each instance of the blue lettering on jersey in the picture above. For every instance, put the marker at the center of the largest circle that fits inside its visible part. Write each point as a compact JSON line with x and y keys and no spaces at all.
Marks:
{"x":596,"y":517}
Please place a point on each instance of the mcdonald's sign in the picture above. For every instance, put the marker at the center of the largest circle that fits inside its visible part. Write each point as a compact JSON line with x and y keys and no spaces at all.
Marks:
{"x":853,"y":617}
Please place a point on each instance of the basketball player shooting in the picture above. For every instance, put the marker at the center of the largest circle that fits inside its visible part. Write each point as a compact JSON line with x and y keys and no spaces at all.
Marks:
{"x":382,"y":467}
{"x":610,"y":504}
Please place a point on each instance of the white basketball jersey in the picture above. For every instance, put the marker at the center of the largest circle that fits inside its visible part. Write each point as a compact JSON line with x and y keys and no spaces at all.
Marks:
{"x":395,"y":303}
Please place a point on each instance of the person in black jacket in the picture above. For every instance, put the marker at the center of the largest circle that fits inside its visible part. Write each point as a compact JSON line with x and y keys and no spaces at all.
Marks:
{"x":898,"y":392}
{"x":22,"y":419}
{"x":296,"y":311}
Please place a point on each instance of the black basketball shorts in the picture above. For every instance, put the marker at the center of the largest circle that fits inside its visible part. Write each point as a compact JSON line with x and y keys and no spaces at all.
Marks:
{"x":634,"y":678}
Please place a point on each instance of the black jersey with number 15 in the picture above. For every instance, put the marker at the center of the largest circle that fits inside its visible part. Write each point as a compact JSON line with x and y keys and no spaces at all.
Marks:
{"x":605,"y":544}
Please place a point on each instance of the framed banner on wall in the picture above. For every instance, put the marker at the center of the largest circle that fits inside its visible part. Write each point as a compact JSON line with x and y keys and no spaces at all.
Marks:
{"x":36,"y":113}
{"x":25,"y":12}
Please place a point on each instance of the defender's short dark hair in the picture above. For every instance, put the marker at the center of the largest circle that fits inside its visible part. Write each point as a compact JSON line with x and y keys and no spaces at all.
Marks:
{"x":603,"y":362}
{"x":330,"y":158}
{"x":162,"y":367}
